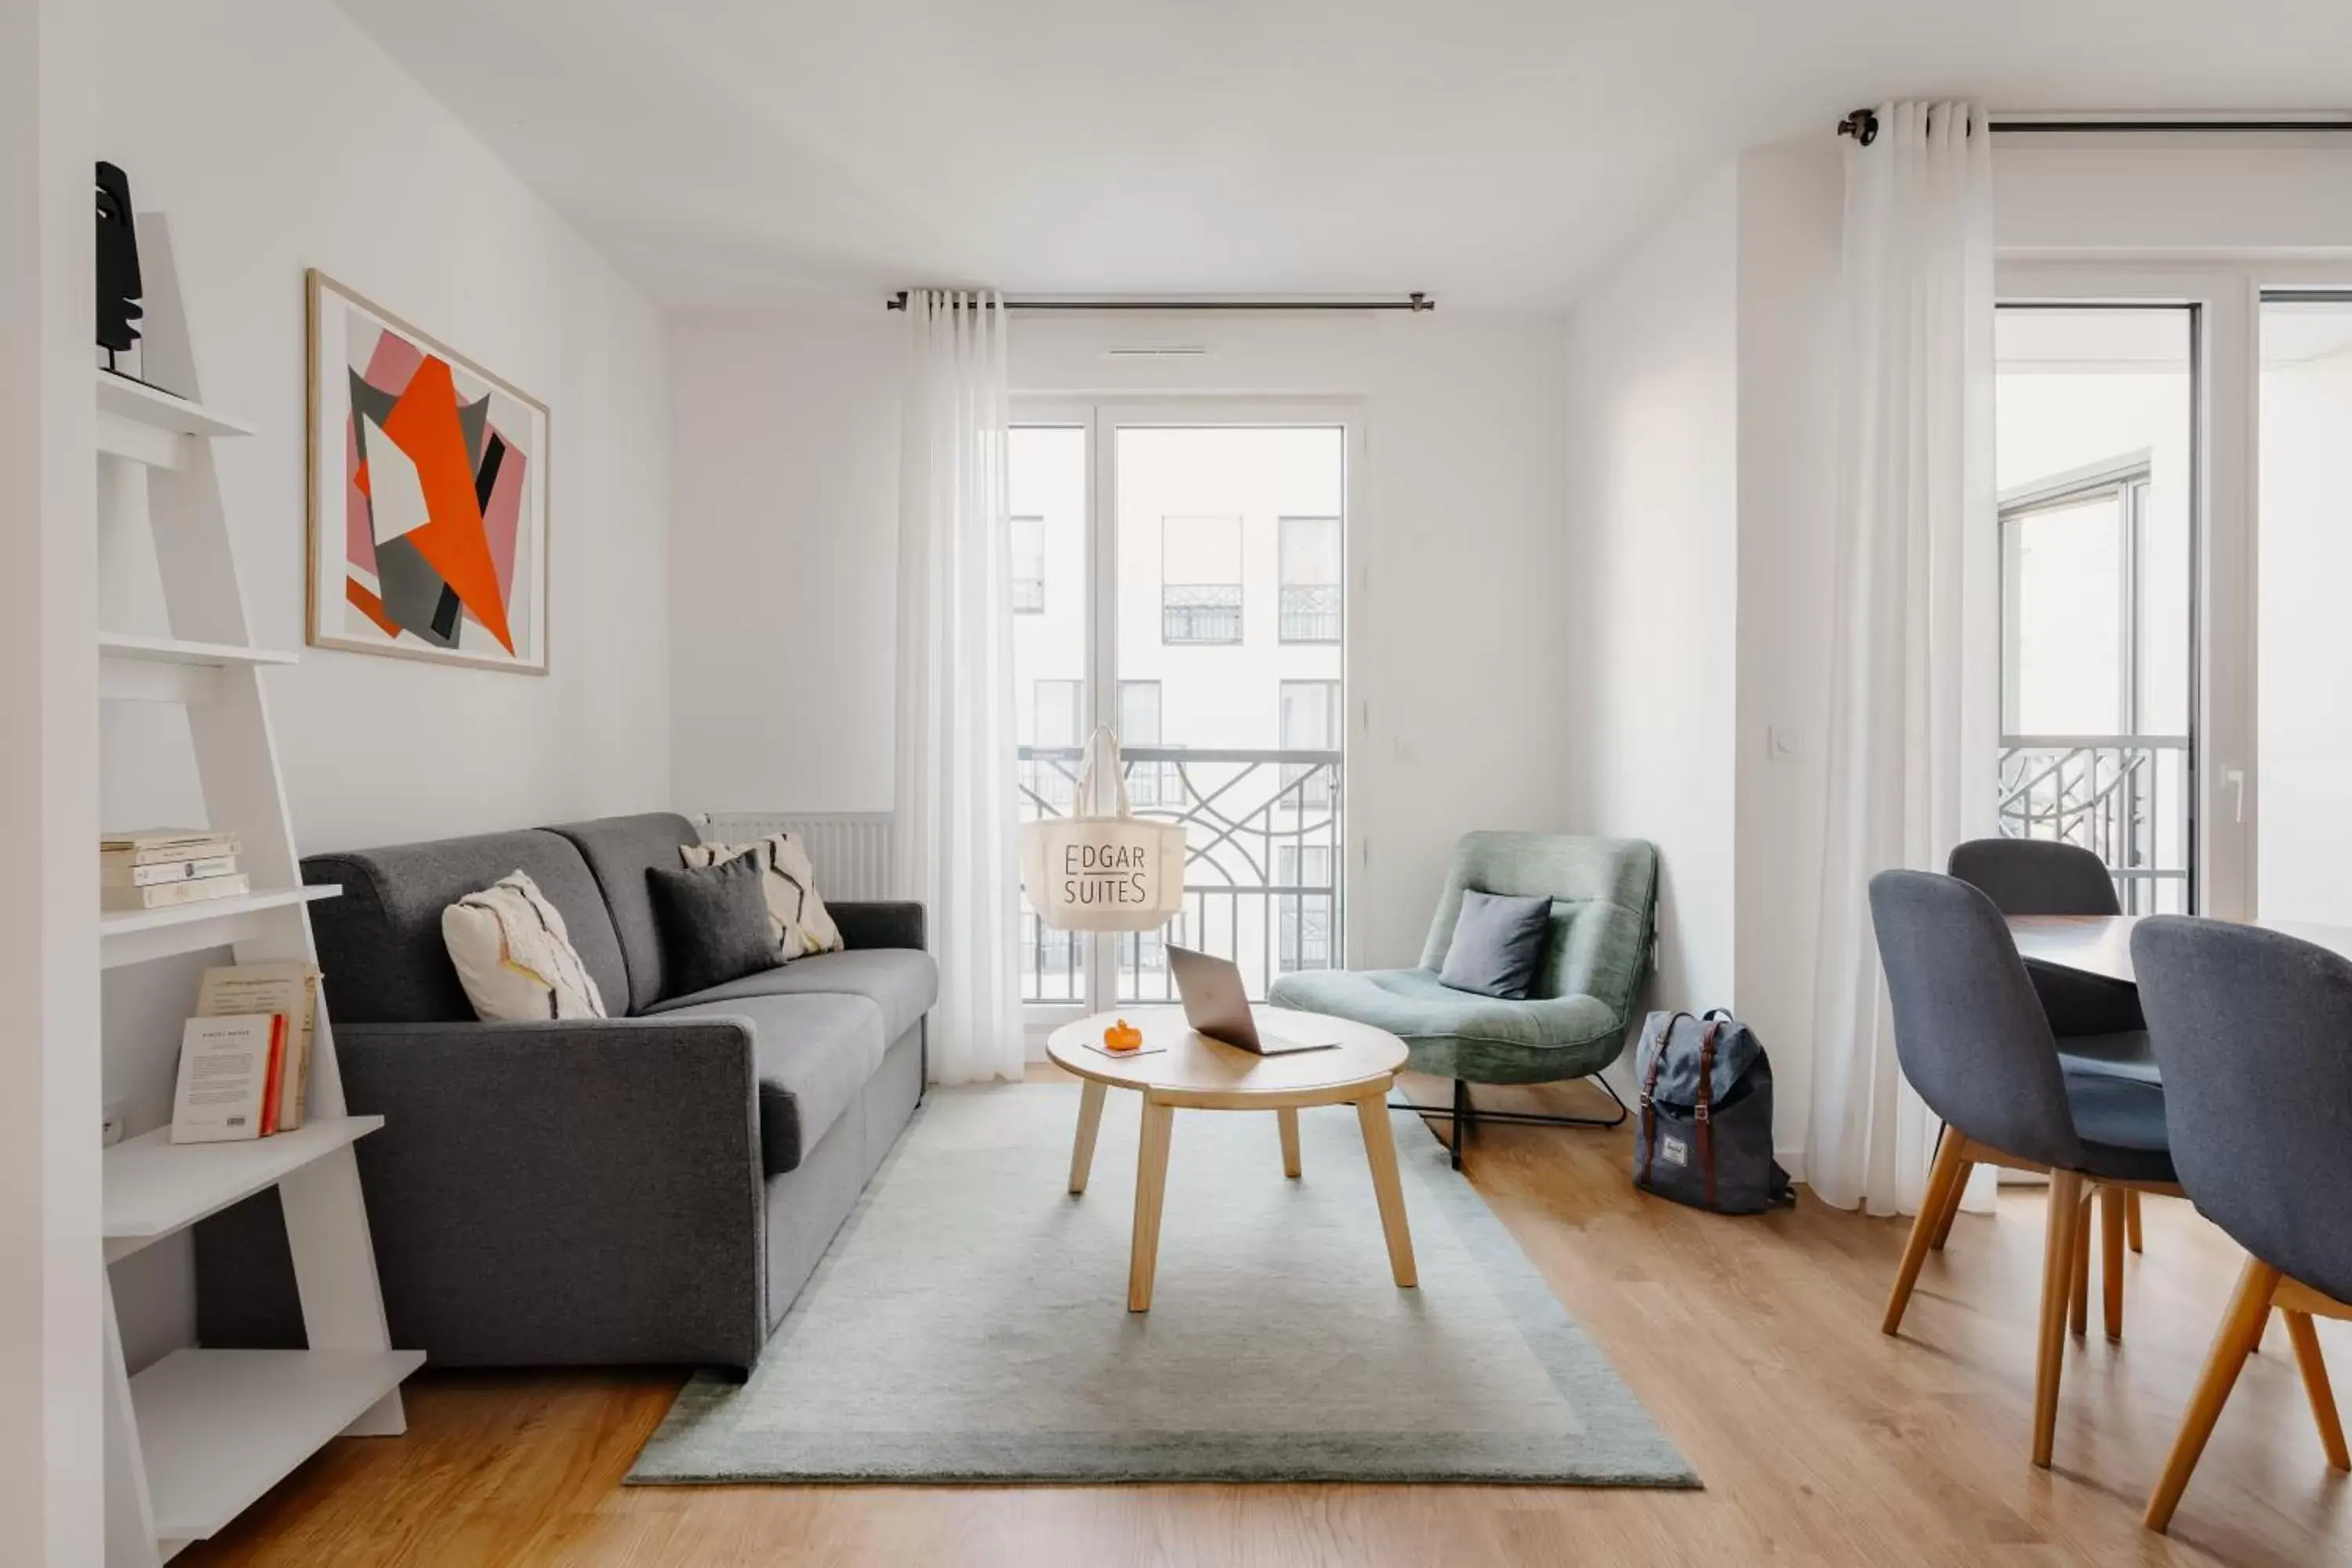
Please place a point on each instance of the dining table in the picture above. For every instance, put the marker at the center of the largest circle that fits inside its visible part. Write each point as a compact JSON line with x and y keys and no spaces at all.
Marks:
{"x":2101,"y":944}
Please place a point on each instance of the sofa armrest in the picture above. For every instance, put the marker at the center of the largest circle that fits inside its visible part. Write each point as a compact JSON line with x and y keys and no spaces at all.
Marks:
{"x":572,"y":1193}
{"x":897,"y":922}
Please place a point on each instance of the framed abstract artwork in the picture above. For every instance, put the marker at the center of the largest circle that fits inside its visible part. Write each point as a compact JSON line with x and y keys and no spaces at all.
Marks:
{"x":428,"y":496}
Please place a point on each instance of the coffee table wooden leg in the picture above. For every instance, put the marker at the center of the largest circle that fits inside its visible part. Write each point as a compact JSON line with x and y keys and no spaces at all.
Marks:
{"x":1288,"y":1117}
{"x":1150,"y":1187}
{"x":1082,"y":1154}
{"x":1388,"y":1186}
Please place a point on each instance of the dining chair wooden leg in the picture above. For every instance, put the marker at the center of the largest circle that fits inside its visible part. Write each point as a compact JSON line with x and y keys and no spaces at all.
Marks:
{"x":1952,"y":1203}
{"x":2131,"y":1220}
{"x":2059,"y":1256}
{"x":1951,"y":1160}
{"x":2078,"y":1299}
{"x":2242,"y":1326}
{"x":2111,"y":1259}
{"x":2315,"y":1384}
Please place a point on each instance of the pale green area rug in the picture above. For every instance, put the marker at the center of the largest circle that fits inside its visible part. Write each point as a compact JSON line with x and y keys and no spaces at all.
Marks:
{"x":970,"y":1324}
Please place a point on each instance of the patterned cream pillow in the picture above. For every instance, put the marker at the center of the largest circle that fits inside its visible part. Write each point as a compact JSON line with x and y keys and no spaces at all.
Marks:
{"x":514,"y":956}
{"x":801,"y":925}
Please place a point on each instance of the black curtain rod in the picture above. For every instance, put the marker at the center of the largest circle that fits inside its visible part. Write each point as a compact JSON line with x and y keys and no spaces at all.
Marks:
{"x":1863,"y":125}
{"x":1416,"y":301}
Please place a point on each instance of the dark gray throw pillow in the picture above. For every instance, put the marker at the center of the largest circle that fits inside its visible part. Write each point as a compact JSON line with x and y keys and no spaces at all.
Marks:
{"x":1499,"y":944}
{"x":714,"y":923}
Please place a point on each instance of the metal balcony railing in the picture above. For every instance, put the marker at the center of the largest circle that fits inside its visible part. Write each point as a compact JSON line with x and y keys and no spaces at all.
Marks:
{"x":1263,"y":872}
{"x":1310,"y":612}
{"x":2126,"y":798}
{"x":1201,"y":612}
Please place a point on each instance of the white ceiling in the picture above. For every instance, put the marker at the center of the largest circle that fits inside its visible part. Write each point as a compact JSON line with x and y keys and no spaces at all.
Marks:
{"x":730,"y":151}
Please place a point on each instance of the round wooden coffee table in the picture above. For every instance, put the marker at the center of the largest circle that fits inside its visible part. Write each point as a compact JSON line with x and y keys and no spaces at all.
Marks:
{"x":1196,"y":1073}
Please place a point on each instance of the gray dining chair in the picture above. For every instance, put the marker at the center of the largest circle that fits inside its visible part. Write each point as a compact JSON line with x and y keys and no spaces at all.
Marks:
{"x":2096,"y":1019}
{"x":2253,"y":1031}
{"x":1974,"y":1042}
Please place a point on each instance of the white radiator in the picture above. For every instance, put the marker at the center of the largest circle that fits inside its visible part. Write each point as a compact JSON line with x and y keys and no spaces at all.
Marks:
{"x":849,"y":849}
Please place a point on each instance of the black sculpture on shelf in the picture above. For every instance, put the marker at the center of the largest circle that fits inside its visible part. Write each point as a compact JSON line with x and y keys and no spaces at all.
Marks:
{"x":118,"y":264}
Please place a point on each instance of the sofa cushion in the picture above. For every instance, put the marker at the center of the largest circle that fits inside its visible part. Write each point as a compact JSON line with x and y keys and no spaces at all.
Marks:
{"x":380,"y":944}
{"x":902,"y":981}
{"x":714,"y":923}
{"x":620,"y":850}
{"x":514,"y":956}
{"x":1457,"y":1034}
{"x":812,"y":1055}
{"x":796,"y":909}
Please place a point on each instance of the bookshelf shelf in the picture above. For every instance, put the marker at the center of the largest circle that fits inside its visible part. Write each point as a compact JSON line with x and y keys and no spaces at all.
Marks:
{"x":172,"y":650}
{"x":154,"y":1187}
{"x":135,"y":936}
{"x":151,"y":406}
{"x":171,"y":669}
{"x":218,"y":1428}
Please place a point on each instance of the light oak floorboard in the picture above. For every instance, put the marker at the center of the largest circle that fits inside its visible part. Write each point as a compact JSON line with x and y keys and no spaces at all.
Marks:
{"x":1753,"y":1342}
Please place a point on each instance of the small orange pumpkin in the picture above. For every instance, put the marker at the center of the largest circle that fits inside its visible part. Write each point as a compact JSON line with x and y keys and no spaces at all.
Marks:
{"x":1122,"y":1036}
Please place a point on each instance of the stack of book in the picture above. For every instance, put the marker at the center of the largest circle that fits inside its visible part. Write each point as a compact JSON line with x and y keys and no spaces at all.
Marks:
{"x":245,"y":1057}
{"x":158,"y":867}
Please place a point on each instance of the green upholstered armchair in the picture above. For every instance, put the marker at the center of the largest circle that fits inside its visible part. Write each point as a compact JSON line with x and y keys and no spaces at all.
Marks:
{"x":1604,"y":895}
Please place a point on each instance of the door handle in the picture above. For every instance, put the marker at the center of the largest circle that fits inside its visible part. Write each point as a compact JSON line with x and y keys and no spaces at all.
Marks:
{"x":2235,"y":779}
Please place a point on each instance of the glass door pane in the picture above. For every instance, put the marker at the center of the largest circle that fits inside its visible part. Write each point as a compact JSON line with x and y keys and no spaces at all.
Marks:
{"x":1228,"y":542}
{"x":2094,"y":439}
{"x":1052,"y":590}
{"x":2303,"y":857}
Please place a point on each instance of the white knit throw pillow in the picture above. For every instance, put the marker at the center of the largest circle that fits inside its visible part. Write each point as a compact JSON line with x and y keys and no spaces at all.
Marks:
{"x":794,"y":910}
{"x":514,"y":956}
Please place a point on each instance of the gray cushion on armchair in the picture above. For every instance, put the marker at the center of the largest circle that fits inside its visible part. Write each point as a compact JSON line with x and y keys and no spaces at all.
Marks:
{"x":1604,"y":893}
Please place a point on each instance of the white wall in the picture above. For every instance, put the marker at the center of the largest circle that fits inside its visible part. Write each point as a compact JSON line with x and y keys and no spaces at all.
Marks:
{"x":1653,"y":456}
{"x":51,"y":1503}
{"x":1792,"y":200}
{"x":783,"y":554}
{"x":2059,"y":197}
{"x":277,"y":137}
{"x":786,"y":504}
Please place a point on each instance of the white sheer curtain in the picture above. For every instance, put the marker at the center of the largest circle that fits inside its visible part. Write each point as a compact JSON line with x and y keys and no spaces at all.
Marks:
{"x":957,"y":817}
{"x":1915,"y":664}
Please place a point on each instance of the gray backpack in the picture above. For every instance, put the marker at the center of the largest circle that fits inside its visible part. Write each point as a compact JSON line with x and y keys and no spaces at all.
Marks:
{"x":1706,"y":1134}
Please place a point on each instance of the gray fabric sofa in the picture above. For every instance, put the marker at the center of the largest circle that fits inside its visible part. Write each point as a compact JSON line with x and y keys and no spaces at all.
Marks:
{"x":648,"y":1188}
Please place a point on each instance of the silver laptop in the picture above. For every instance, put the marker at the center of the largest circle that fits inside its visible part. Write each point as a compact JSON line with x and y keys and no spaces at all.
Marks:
{"x":1217,"y":1004}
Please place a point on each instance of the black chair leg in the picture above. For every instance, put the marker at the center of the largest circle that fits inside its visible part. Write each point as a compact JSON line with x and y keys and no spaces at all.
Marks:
{"x":1466,"y":1116}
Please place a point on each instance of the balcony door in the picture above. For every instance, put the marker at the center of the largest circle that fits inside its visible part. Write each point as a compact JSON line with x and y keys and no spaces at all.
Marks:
{"x":1181,"y":578}
{"x":2096,"y":462}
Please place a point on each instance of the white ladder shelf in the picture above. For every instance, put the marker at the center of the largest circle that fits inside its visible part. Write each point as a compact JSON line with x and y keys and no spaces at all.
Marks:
{"x":194,"y":1439}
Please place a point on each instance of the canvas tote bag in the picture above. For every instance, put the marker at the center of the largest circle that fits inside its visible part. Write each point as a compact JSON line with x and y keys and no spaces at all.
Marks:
{"x":1101,"y":868}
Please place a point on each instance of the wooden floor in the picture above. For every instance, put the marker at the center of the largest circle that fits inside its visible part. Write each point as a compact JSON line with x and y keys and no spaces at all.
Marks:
{"x":1753,"y":1342}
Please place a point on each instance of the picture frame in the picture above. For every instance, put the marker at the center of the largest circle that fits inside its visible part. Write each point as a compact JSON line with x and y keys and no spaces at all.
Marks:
{"x":428,"y":526}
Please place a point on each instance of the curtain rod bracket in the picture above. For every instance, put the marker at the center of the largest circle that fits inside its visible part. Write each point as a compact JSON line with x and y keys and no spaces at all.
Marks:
{"x":1862,"y":125}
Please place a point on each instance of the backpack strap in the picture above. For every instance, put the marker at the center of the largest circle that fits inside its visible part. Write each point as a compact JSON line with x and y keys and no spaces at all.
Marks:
{"x":1649,"y":1087}
{"x":1704,"y":1108}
